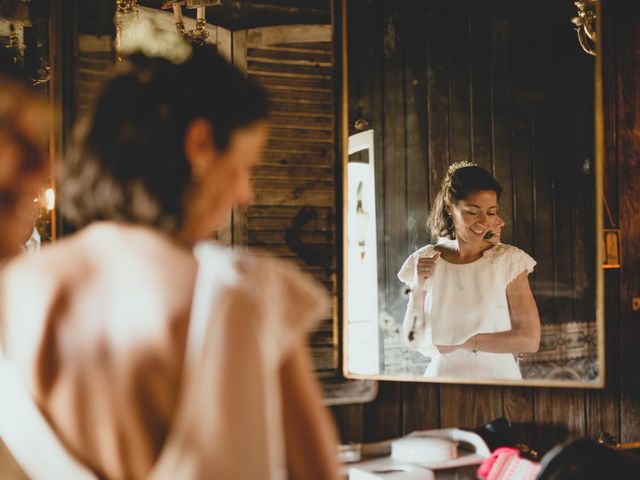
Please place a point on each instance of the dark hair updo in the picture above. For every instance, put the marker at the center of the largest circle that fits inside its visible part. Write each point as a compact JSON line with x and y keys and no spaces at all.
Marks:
{"x":129,"y":162}
{"x":459,"y":182}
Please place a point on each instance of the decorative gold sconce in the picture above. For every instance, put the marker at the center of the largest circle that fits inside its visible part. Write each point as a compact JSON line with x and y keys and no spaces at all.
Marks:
{"x":126,"y":12}
{"x":585,"y":24}
{"x":176,"y":5}
{"x":199,"y":34}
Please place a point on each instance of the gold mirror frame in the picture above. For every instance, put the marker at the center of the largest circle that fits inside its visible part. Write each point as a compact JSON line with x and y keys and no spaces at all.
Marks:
{"x":341,"y":12}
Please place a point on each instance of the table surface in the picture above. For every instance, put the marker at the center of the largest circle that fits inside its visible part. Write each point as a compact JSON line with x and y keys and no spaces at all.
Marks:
{"x":458,"y":473}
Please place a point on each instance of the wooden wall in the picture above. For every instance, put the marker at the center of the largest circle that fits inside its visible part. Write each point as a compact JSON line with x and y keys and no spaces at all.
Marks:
{"x":544,"y":416}
{"x":293,"y":212}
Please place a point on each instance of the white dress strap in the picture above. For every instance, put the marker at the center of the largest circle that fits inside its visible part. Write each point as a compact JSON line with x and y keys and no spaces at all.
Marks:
{"x":39,"y":453}
{"x":178,"y":458}
{"x":215,"y":267}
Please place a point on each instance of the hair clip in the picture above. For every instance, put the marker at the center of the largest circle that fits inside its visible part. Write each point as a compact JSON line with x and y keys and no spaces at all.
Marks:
{"x":457,"y":165}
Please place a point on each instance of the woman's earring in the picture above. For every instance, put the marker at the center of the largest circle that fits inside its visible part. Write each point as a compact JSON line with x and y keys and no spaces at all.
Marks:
{"x":449,"y":223}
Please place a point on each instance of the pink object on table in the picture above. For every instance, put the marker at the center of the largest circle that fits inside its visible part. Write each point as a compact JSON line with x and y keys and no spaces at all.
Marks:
{"x":505,"y":464}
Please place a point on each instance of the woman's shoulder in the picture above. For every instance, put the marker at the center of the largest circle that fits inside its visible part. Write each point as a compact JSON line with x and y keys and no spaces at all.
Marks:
{"x":256,"y":268}
{"x":273,"y":285}
{"x":511,"y":260}
{"x":504,"y":250}
{"x":426,"y":250}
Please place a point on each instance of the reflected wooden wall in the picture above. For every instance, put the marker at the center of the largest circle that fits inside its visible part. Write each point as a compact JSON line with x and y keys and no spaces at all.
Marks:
{"x":458,"y":80}
{"x":545,"y":416}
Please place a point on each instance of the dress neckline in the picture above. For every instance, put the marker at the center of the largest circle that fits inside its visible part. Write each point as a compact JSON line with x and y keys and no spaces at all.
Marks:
{"x":446,"y":242}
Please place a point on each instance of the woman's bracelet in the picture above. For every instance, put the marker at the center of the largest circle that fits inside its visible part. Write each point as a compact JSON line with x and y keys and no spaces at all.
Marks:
{"x":475,"y":344}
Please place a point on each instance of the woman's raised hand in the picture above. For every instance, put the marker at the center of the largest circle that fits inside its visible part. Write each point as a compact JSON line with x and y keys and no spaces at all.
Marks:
{"x":493,"y":235}
{"x":425,"y":268}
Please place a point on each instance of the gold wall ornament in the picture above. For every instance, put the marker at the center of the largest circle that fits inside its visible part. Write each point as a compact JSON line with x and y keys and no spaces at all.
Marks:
{"x":176,"y":5}
{"x":126,"y":7}
{"x":585,"y":24}
{"x":200,"y":34}
{"x":126,"y":13}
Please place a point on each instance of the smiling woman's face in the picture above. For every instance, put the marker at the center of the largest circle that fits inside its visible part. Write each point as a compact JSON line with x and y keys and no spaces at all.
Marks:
{"x":475,"y":215}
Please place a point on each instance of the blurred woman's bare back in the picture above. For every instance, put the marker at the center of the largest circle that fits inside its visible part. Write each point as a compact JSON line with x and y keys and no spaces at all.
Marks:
{"x":116,"y":301}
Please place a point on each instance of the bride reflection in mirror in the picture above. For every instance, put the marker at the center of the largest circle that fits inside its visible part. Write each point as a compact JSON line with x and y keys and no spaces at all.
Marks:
{"x":470,"y":307}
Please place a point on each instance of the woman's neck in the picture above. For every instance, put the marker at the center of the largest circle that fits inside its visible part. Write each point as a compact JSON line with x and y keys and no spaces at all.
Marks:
{"x":459,"y":251}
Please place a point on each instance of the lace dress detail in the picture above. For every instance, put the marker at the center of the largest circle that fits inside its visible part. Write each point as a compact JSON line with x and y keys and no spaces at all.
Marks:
{"x":511,"y":260}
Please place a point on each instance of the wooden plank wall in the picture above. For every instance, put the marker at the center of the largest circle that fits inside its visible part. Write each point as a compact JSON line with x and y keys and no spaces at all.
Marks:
{"x":544,"y":416}
{"x":293,"y":212}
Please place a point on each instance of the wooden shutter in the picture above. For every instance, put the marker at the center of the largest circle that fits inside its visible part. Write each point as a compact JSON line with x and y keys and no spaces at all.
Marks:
{"x":294,"y":212}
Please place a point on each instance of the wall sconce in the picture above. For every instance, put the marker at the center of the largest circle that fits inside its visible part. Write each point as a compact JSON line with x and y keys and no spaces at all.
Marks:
{"x":176,"y":5}
{"x":126,"y":12}
{"x":199,"y":34}
{"x":585,"y":24}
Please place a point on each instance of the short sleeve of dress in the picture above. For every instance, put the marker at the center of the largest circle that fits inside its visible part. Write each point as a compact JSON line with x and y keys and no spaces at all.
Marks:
{"x":292,"y":302}
{"x":515,"y":261}
{"x":407,"y":273}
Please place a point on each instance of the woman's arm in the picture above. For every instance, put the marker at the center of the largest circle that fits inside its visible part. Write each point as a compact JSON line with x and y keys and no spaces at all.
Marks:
{"x":311,"y":439}
{"x":524,"y":336}
{"x":413,"y":325}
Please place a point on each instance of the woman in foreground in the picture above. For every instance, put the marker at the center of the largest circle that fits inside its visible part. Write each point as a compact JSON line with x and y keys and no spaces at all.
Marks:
{"x":132,"y":348}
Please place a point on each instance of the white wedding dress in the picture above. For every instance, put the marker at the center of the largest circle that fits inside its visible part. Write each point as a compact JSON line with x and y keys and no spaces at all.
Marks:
{"x":463,"y":300}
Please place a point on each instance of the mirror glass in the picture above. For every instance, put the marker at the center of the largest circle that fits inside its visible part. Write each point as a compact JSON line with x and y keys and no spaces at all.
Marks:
{"x":499,"y":98}
{"x":25,"y":38}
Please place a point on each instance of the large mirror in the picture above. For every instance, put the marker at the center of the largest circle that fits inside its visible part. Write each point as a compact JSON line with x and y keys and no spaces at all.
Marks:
{"x":486,"y":115}
{"x":25,"y":39}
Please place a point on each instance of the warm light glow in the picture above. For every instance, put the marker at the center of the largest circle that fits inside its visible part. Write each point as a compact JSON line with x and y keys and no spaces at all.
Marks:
{"x":50,"y":197}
